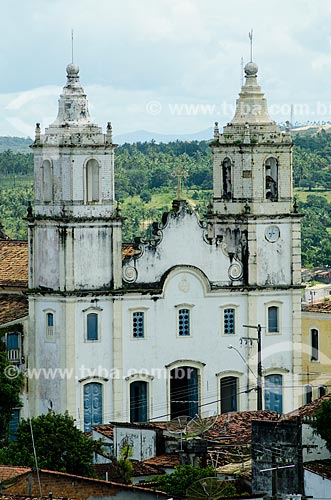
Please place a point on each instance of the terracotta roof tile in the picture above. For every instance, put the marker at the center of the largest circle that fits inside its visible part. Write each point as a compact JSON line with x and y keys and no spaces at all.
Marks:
{"x":9,"y":472}
{"x":139,"y":469}
{"x":320,"y":467}
{"x":12,"y":307}
{"x":309,"y":409}
{"x":321,"y":307}
{"x":237,"y":427}
{"x":105,"y":429}
{"x":13,"y":263}
{"x":167,"y":460}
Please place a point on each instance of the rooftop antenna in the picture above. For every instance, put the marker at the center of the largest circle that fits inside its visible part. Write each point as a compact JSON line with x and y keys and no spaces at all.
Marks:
{"x":250,"y":34}
{"x":72,"y":46}
{"x":242,"y":71}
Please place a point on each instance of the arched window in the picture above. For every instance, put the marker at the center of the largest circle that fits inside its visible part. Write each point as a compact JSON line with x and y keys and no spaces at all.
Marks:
{"x":92,"y":405}
{"x":273,"y":319}
{"x":271,"y":179}
{"x":308,"y":394}
{"x":47,"y":181}
{"x":92,"y":181}
{"x":314,"y":344}
{"x":184,"y":391}
{"x":229,"y":394}
{"x":138,"y":401}
{"x":273,"y":393}
{"x":227,"y":181}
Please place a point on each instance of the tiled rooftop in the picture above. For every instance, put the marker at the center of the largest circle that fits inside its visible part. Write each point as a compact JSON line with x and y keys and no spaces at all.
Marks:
{"x":9,"y":472}
{"x":320,"y":467}
{"x":309,"y":409}
{"x":13,"y":263}
{"x":319,"y":307}
{"x":12,"y":307}
{"x":237,"y":427}
{"x":139,"y":469}
{"x":106,"y":430}
{"x":167,"y":460}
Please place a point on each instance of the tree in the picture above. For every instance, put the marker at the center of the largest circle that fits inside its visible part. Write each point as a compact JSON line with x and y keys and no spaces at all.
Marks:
{"x":322,"y":423}
{"x":178,"y":481}
{"x":11,"y":381}
{"x":60,"y":446}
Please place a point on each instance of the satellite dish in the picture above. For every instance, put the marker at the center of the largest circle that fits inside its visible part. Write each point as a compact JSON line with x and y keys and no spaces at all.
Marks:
{"x":208,"y":488}
{"x":178,"y":425}
{"x":199,"y":425}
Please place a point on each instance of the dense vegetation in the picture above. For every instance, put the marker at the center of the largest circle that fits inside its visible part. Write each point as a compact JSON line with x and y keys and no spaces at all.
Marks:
{"x":59,"y":445}
{"x":146,"y":185}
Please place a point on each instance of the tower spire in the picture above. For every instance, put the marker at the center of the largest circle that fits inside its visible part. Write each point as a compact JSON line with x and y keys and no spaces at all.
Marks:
{"x":72,"y":46}
{"x":250,"y":34}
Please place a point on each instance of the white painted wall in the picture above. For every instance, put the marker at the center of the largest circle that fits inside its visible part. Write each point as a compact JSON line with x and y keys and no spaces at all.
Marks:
{"x":316,"y":486}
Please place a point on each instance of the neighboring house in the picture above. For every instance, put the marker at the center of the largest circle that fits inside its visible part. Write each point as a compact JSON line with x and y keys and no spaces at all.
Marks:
{"x":317,"y":293}
{"x":24,"y":481}
{"x":316,"y":351}
{"x":148,"y":338}
{"x":14,"y":309}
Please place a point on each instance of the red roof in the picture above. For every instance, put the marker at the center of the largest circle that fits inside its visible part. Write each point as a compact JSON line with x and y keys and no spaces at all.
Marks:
{"x":310,"y":409}
{"x":9,"y":472}
{"x":13,"y":263}
{"x":12,"y":307}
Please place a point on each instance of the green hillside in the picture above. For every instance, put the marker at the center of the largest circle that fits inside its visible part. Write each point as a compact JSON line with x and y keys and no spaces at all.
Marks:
{"x":146,"y":186}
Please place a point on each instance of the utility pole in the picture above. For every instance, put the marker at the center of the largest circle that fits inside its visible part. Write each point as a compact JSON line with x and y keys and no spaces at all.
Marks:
{"x":258,"y":328}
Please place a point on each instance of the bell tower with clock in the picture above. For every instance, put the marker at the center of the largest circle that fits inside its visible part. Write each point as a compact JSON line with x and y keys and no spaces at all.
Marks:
{"x":253,"y":212}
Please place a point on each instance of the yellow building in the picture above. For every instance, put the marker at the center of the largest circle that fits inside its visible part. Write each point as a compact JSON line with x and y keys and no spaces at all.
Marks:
{"x":316,"y":352}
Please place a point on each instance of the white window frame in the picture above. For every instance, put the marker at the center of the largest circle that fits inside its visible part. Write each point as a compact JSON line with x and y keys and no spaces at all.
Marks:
{"x":307,"y":387}
{"x":137,"y":309}
{"x":229,"y":306}
{"x":140,"y":377}
{"x":279,"y":305}
{"x":97,"y":311}
{"x":14,"y":355}
{"x":179,"y":307}
{"x":229,"y":373}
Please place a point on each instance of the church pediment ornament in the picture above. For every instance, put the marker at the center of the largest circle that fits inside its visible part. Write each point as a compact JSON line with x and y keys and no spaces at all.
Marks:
{"x":235,"y":271}
{"x":130,"y":274}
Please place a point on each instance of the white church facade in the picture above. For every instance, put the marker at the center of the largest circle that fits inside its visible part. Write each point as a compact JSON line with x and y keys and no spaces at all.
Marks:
{"x":158,"y":331}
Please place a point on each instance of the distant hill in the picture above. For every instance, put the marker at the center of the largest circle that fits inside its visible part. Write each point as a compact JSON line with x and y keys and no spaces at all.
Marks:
{"x":16,"y":144}
{"x":146,"y":136}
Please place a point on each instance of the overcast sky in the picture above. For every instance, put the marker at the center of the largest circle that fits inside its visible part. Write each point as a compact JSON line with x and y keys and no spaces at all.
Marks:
{"x":144,"y":62}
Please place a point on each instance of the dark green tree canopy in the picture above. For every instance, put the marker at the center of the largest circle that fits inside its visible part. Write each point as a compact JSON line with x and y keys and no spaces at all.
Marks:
{"x":323,"y":422}
{"x":60,"y":446}
{"x":11,"y":382}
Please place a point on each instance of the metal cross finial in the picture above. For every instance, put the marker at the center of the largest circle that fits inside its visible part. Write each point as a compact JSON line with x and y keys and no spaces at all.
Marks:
{"x":72,"y":46}
{"x":250,"y":34}
{"x":179,"y":172}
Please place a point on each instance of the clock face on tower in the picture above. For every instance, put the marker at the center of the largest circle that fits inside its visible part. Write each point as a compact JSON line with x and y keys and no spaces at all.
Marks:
{"x":272,"y":233}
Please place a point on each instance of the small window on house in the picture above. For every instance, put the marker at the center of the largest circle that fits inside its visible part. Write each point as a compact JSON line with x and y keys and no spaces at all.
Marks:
{"x":308,"y":394}
{"x":92,"y":181}
{"x":184,"y":329}
{"x":322,"y":390}
{"x":314,"y":345}
{"x":47,"y":180}
{"x":226,"y":176}
{"x":138,"y":325}
{"x":49,"y":324}
{"x":229,"y":321}
{"x":13,"y":351}
{"x":273,"y":319}
{"x":271,"y":179}
{"x":92,"y":326}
